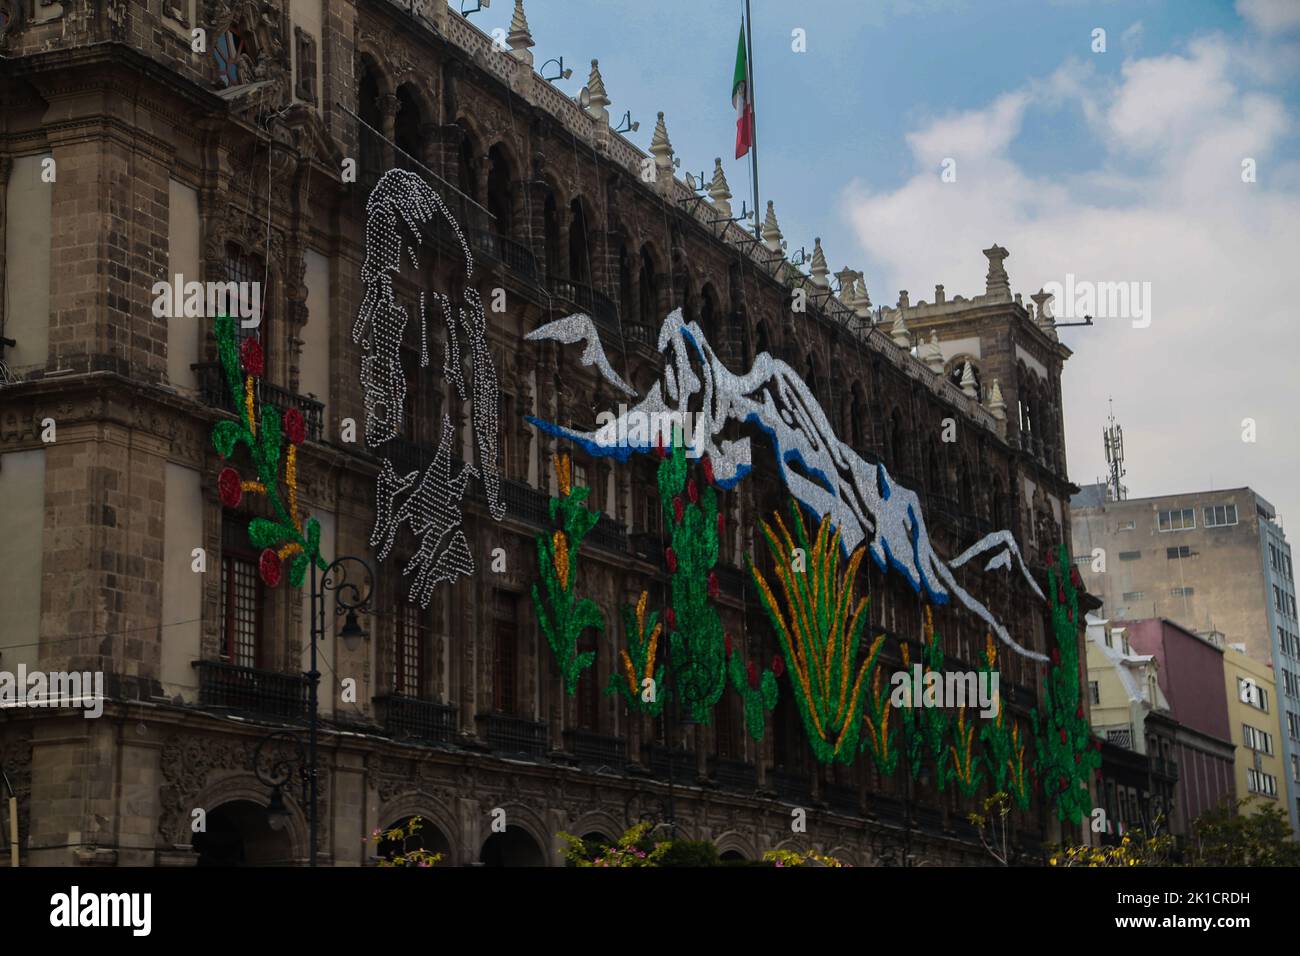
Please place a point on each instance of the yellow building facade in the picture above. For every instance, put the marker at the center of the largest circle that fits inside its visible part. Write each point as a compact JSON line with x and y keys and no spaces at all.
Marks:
{"x":1253,"y":715}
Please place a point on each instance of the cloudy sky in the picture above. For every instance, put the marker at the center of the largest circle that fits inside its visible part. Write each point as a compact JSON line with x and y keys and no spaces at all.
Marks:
{"x":1122,"y":166}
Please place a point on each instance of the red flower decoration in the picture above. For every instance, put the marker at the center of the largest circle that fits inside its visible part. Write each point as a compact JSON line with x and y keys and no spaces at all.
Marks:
{"x":229,"y":487}
{"x":1069,"y":615}
{"x":713,"y":584}
{"x":1056,"y":655}
{"x":295,"y":429}
{"x":1060,"y":595}
{"x":1079,"y":712}
{"x":672,"y":618}
{"x":678,"y":509}
{"x":708,"y":469}
{"x":692,"y":491}
{"x":722,"y":524}
{"x":671,"y":557}
{"x":1062,"y":735}
{"x":659,"y":447}
{"x":250,"y":355}
{"x":1075,"y":579}
{"x":1064,"y":782}
{"x":269,"y":567}
{"x":752,"y":673}
{"x":727,"y":640}
{"x":778,"y":666}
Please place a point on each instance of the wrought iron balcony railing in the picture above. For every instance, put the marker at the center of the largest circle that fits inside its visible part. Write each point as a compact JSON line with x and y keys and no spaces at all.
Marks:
{"x":595,"y":303}
{"x":252,"y":691}
{"x":682,"y":762}
{"x":213,"y":392}
{"x":734,"y":775}
{"x":514,"y":735}
{"x":789,"y":786}
{"x":595,"y":748}
{"x":514,"y":255}
{"x":411,"y":718}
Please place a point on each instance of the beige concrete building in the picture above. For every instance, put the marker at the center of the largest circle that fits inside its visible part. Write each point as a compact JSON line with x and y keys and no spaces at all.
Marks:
{"x":1219,"y":564}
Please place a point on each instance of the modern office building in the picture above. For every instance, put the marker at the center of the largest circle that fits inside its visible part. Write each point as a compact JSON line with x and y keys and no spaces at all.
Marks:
{"x":1216,"y":562}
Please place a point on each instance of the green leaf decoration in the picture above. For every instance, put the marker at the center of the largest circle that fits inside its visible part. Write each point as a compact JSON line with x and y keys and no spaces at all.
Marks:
{"x":225,"y":434}
{"x":298,"y":569}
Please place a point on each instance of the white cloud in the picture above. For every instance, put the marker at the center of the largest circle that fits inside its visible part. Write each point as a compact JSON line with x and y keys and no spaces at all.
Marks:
{"x":1270,"y":16}
{"x":1162,"y":202}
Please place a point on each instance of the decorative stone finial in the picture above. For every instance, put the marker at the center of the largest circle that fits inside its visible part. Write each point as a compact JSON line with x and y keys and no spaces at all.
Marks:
{"x":660,"y":147}
{"x":968,"y":386}
{"x":1044,"y":317}
{"x":771,"y":233}
{"x":899,"y":331}
{"x":719,"y":191}
{"x":934,"y":353}
{"x":996,"y":403}
{"x":996,"y":283}
{"x":940,"y":297}
{"x":598,"y":102}
{"x":847,"y":279}
{"x":519,"y":39}
{"x":863,"y":299}
{"x":818,"y":270}
{"x":903,"y":301}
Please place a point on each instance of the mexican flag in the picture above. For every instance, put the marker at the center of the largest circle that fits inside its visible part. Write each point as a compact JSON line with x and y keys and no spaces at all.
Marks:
{"x":742,"y":100}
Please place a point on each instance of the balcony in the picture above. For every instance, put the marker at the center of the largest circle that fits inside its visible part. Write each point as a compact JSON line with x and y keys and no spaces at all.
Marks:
{"x":512,"y":254}
{"x":734,"y":775}
{"x":514,"y":735}
{"x":790,"y":786}
{"x":212,"y":391}
{"x":596,"y":304}
{"x":407,"y":718}
{"x":526,"y":503}
{"x":643,"y":335}
{"x":609,"y":535}
{"x":844,"y":800}
{"x":592,"y":748}
{"x":682,"y":763}
{"x":248,"y":690}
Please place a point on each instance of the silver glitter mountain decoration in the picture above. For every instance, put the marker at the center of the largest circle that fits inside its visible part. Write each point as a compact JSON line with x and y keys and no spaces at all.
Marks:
{"x":825,"y":474}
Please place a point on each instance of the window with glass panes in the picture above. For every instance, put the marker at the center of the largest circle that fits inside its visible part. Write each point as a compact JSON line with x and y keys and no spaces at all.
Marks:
{"x":408,"y":649}
{"x":1217,"y":516}
{"x":241,"y":596}
{"x":245,"y":268}
{"x":505,"y":655}
{"x":587,"y":698}
{"x":1179,"y":519}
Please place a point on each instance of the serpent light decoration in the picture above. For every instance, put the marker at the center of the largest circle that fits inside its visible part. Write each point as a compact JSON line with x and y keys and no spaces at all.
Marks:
{"x":825,"y":474}
{"x":400,"y":209}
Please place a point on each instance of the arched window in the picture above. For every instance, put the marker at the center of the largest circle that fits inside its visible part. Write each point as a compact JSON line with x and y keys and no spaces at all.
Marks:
{"x":579,"y":251}
{"x":499,"y":201}
{"x":372,"y":147}
{"x":649,"y":289}
{"x":551,"y":231}
{"x":466,"y":167}
{"x":625,"y":302}
{"x":406,"y":129}
{"x":245,"y":269}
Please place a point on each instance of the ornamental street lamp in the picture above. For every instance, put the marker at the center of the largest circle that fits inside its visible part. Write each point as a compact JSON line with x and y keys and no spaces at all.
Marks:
{"x":350,"y":597}
{"x":279,"y":756}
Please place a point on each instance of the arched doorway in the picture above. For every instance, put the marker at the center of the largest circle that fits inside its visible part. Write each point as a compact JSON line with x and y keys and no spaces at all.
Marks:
{"x":426,"y":836}
{"x":514,"y":847}
{"x":239,"y":834}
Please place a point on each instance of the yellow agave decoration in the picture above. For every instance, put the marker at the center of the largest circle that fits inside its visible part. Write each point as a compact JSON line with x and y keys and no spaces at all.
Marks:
{"x":820,"y":629}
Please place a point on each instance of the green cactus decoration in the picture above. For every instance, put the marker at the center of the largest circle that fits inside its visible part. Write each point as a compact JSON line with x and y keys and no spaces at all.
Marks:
{"x":562,"y":615}
{"x":1065,"y":758}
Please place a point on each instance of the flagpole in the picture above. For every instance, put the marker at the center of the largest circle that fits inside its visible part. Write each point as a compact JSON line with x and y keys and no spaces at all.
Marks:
{"x":753,"y":112}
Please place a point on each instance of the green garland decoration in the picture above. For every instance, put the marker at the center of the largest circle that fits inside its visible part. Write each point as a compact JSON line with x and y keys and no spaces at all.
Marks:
{"x":288,"y":536}
{"x":758,"y":700}
{"x":563,"y":616}
{"x":820,"y":634}
{"x":640,"y":661}
{"x":880,"y":738}
{"x":967,"y":769}
{"x":1065,"y":759}
{"x":1003,"y":749}
{"x":934,"y":722}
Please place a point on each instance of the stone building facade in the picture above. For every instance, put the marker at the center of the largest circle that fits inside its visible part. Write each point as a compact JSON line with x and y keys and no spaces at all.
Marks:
{"x":128,"y":156}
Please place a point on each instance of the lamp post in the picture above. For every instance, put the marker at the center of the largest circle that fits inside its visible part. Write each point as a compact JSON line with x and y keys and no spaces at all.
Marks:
{"x":349,"y":597}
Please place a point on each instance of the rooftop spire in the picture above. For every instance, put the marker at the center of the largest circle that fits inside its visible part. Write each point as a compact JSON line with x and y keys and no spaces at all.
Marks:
{"x":771,"y":233}
{"x":719,"y":191}
{"x":519,"y":39}
{"x":819,"y":270}
{"x":597,"y":99}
